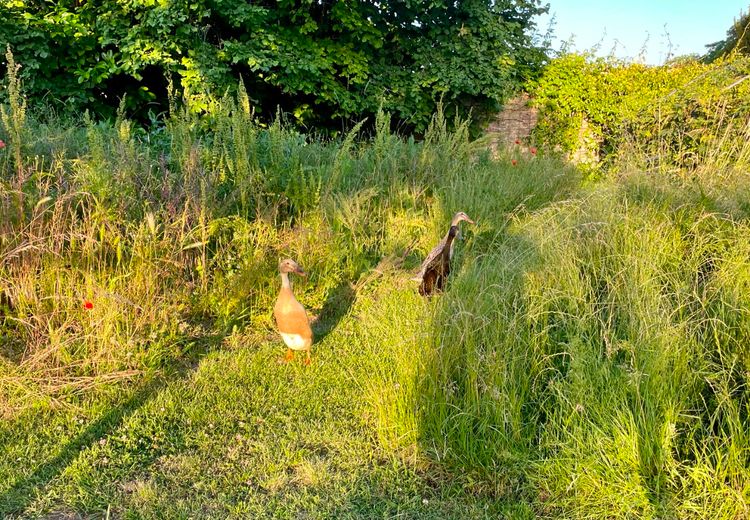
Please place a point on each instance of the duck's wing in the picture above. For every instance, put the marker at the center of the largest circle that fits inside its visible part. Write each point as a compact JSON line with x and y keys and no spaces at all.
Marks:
{"x":431,"y":260}
{"x":291,"y":317}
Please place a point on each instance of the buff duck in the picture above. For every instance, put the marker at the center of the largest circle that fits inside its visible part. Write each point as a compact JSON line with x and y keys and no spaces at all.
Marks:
{"x":291,"y":318}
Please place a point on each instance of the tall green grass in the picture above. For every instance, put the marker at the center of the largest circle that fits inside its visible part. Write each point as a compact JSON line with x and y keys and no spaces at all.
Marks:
{"x":593,"y":356}
{"x":589,"y":356}
{"x":174,"y":235}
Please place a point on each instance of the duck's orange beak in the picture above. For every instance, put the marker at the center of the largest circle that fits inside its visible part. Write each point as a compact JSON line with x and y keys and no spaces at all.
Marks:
{"x":300,"y":272}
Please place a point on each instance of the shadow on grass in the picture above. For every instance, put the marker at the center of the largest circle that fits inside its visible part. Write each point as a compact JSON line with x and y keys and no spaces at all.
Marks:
{"x":336,"y":306}
{"x":19,"y":495}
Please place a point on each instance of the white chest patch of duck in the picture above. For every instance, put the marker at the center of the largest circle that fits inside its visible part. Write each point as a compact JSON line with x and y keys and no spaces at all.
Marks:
{"x":294,"y":341}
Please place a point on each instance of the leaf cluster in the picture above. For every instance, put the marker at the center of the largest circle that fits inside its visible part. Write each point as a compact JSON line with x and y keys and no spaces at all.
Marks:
{"x":737,"y":40}
{"x":326,"y":62}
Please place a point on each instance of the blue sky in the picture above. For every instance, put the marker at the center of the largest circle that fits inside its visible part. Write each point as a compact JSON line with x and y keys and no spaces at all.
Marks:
{"x":626,"y":25}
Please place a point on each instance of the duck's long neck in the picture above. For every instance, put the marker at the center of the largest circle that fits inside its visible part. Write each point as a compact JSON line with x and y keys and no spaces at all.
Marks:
{"x":450,"y":236}
{"x":285,"y":283}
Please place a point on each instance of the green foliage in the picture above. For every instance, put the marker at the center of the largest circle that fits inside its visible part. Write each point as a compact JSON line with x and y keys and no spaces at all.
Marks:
{"x":14,"y":116}
{"x":603,"y":111}
{"x":737,"y":40}
{"x":326,"y":63}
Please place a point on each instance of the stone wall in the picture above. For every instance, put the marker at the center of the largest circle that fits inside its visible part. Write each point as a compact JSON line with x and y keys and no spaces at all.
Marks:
{"x":514,"y":122}
{"x":517,"y":120}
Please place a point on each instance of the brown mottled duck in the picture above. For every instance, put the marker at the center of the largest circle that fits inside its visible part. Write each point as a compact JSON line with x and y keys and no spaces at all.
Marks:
{"x":290,"y":315}
{"x":437,"y":266}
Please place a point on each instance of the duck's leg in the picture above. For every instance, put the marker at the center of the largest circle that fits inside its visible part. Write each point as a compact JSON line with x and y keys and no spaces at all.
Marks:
{"x":307,"y":357}
{"x":289,"y":355}
{"x":439,"y":283}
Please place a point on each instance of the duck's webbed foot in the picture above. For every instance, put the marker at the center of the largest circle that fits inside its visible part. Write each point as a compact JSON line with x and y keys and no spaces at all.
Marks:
{"x":288,"y":356}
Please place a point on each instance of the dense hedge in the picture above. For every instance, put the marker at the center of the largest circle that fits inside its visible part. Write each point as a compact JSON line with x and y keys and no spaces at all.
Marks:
{"x":599,"y":109}
{"x":326,"y":62}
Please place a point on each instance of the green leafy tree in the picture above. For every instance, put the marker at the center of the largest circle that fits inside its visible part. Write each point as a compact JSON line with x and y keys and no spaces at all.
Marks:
{"x":326,"y":62}
{"x":738,"y":39}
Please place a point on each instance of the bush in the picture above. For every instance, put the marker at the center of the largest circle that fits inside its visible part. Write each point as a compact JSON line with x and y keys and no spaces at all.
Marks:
{"x":677,"y":116}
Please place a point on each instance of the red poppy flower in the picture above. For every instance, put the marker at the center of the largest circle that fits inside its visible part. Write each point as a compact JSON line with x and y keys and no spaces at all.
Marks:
{"x":2,"y":144}
{"x":88,"y":305}
{"x":532,"y":150}
{"x":513,"y":162}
